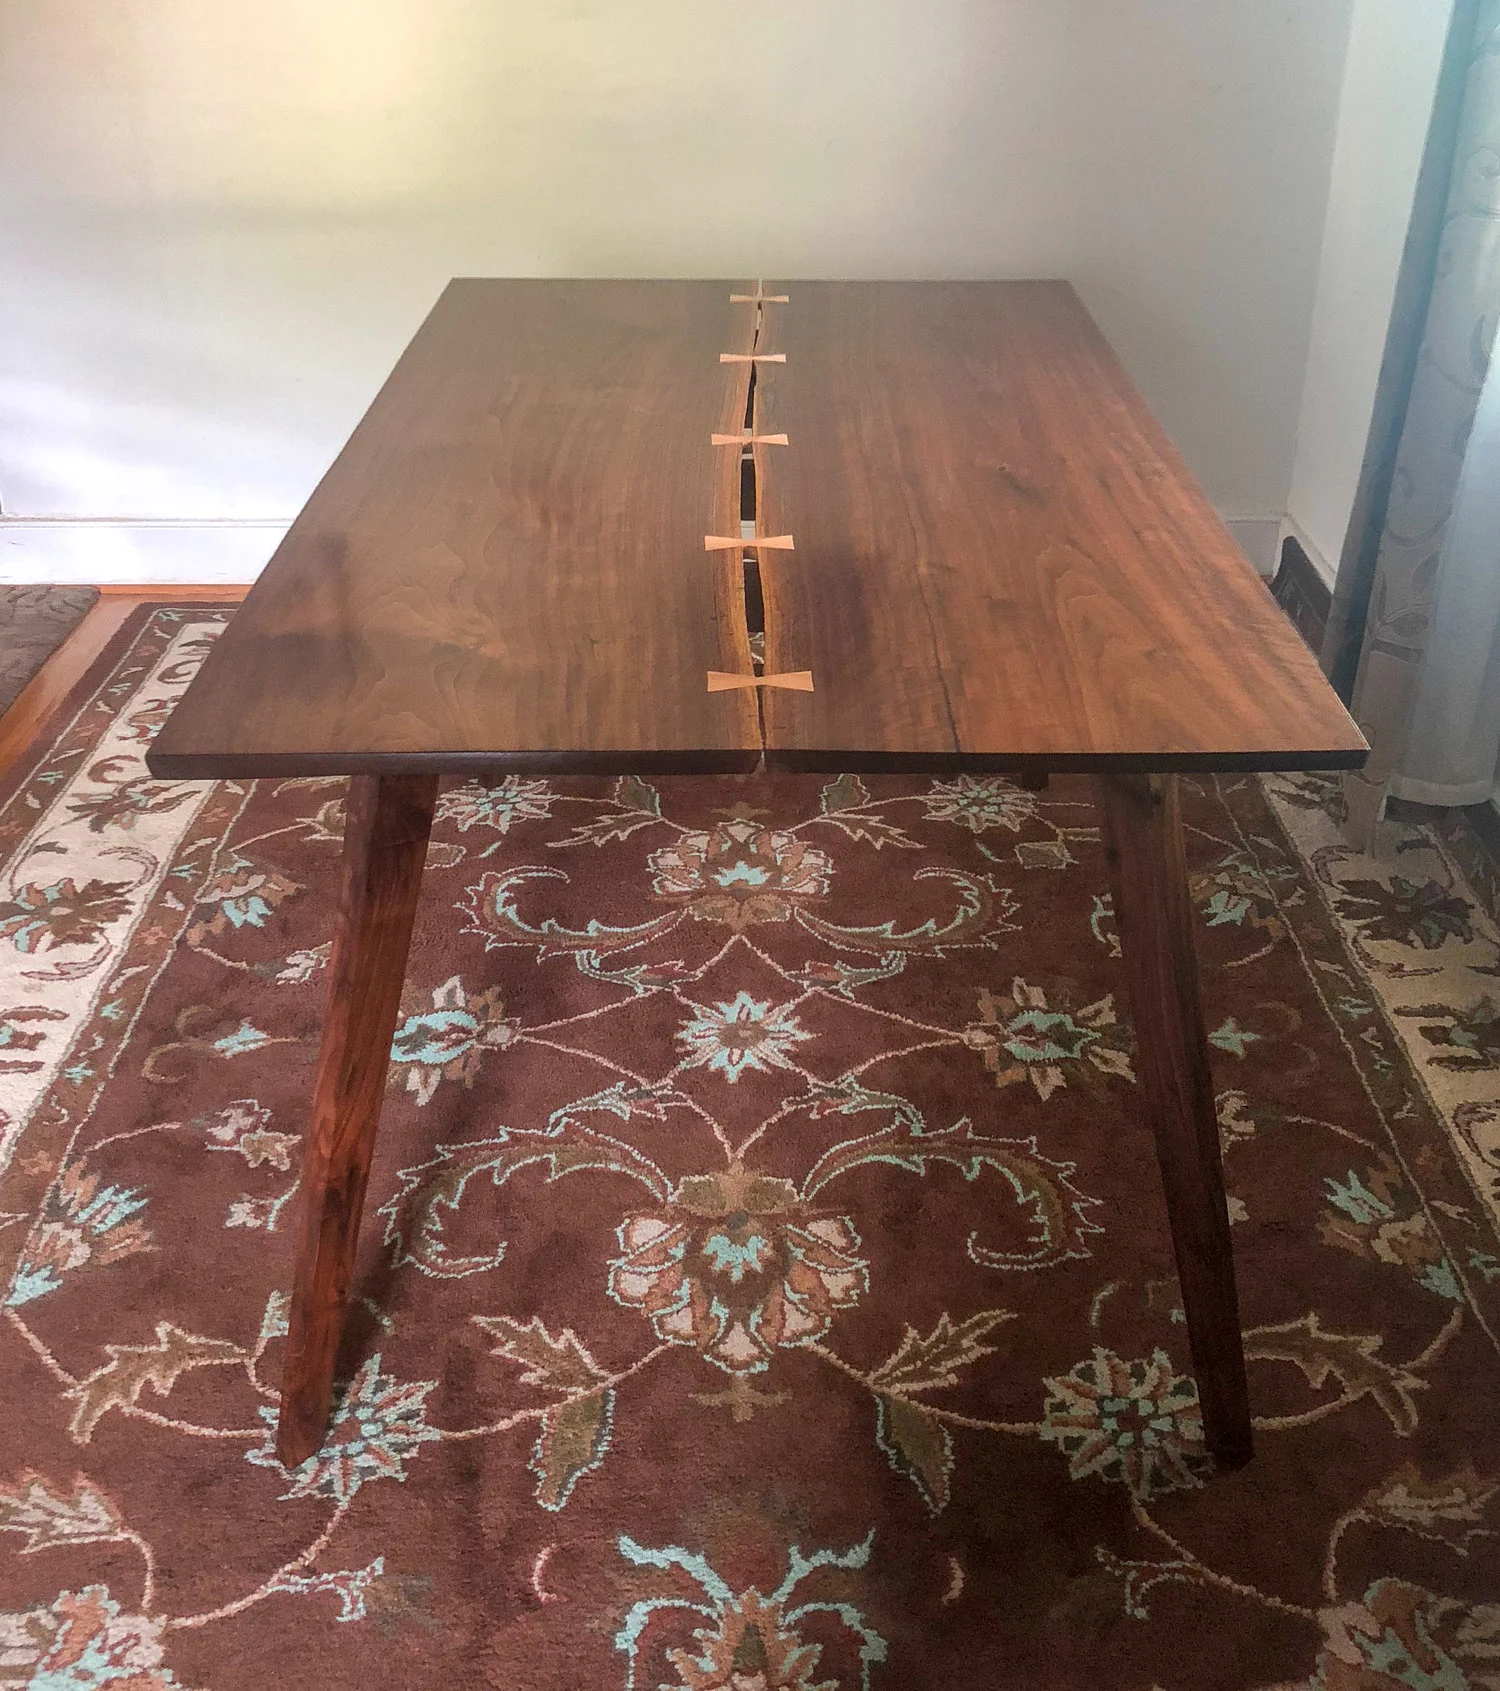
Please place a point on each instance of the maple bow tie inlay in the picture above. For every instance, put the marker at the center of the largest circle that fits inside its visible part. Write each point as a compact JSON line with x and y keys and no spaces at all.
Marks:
{"x":795,"y":681}
{"x":735,"y":542}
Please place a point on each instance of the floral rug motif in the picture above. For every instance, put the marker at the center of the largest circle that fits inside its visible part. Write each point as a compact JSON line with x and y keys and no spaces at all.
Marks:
{"x":765,"y":1283}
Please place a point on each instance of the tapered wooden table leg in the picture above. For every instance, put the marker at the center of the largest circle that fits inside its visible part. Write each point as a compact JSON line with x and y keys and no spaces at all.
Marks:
{"x":1143,"y":839}
{"x":385,"y":845}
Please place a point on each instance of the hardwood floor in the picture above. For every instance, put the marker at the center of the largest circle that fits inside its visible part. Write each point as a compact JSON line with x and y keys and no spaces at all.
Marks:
{"x":70,"y":662}
{"x":167,"y":592}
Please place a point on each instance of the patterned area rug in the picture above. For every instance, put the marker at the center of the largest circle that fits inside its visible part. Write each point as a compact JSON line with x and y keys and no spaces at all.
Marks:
{"x":34,"y":622}
{"x":765,"y":1281}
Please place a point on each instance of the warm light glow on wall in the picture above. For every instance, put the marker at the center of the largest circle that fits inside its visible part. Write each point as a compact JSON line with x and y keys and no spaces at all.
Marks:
{"x":339,"y":104}
{"x":220,"y":220}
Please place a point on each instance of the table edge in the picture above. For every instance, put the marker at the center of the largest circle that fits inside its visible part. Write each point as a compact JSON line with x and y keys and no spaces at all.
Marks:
{"x":250,"y":766}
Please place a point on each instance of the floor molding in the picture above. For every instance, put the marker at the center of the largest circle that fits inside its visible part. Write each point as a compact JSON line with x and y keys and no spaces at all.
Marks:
{"x":1257,"y":538}
{"x":122,"y":551}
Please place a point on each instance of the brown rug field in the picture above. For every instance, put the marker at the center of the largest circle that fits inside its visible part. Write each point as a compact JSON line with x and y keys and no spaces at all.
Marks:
{"x":765,"y":1283}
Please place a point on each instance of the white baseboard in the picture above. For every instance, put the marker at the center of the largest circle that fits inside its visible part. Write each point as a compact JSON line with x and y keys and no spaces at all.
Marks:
{"x":1259,"y":539}
{"x":102,"y":551}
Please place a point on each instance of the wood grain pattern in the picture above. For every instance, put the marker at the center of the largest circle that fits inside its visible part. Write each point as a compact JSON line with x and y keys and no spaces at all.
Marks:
{"x":1001,"y":560}
{"x":1142,"y":831}
{"x":385,"y":845}
{"x":504,"y":566}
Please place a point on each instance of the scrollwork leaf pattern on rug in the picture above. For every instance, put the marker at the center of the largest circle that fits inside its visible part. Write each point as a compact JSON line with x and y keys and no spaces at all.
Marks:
{"x":765,"y":1281}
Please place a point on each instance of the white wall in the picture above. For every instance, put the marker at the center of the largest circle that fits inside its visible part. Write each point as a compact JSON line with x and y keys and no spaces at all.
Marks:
{"x":1395,"y":48}
{"x":220,"y":222}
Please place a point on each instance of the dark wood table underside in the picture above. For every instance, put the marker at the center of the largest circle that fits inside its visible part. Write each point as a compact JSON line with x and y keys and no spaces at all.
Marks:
{"x":996,"y":561}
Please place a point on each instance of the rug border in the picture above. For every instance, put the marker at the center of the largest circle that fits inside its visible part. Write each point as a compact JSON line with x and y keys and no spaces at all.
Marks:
{"x":1484,"y":1302}
{"x":23,"y":765}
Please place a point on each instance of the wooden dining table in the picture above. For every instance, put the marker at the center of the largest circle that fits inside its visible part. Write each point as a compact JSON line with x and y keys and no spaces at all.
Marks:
{"x":972,"y":548}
